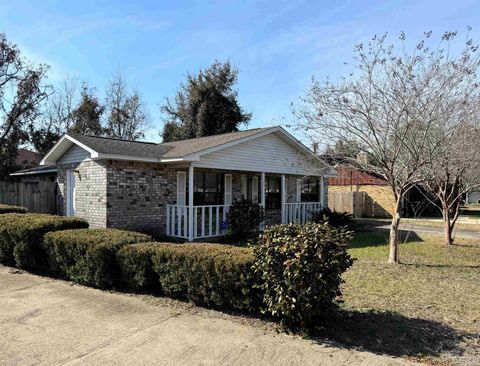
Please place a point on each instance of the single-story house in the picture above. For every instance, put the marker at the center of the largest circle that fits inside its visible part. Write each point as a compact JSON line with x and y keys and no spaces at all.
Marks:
{"x":183,"y":189}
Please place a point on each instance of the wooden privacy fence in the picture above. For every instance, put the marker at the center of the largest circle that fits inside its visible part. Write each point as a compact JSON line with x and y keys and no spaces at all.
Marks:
{"x":347,"y":201}
{"x":35,"y":196}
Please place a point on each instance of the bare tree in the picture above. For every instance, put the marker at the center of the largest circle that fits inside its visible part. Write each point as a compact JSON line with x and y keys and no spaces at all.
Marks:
{"x":21,"y":92}
{"x":454,"y":141}
{"x":389,"y":107}
{"x":56,"y":116}
{"x":127,"y":116}
{"x":456,"y":167}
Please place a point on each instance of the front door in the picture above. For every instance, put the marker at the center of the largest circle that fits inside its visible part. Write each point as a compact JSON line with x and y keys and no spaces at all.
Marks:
{"x":70,"y":193}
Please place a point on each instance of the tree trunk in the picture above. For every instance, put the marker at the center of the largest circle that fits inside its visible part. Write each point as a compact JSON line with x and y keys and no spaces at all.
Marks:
{"x":394,"y":232}
{"x":447,"y":225}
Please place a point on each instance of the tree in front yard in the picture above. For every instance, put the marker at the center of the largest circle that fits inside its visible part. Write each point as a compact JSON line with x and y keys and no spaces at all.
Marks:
{"x":455,"y":168}
{"x":390,"y":106}
{"x":205,"y":105}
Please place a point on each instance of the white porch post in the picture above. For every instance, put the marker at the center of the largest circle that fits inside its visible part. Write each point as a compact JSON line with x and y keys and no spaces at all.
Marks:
{"x":262,"y":190}
{"x":190,"y":203}
{"x":322,"y":193}
{"x":283,"y":196}
{"x":262,"y":196}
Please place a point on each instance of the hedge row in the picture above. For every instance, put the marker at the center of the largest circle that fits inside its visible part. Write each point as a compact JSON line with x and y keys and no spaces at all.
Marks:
{"x":21,"y":237}
{"x":87,"y":256}
{"x":12,"y":209}
{"x":293,"y":272}
{"x":213,"y":275}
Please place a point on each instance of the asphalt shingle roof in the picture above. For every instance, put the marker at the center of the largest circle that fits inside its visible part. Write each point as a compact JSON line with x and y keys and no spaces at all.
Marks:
{"x":166,"y":150}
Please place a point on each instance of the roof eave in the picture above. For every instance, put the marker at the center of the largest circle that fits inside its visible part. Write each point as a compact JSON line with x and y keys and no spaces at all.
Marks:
{"x":49,"y":171}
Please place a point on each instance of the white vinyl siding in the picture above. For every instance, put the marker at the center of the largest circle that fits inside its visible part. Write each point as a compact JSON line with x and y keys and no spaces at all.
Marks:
{"x":270,"y":154}
{"x":74,"y":155}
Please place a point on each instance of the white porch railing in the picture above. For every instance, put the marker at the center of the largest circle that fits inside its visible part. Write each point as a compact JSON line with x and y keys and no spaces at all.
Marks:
{"x":206,"y":221}
{"x":301,"y":212}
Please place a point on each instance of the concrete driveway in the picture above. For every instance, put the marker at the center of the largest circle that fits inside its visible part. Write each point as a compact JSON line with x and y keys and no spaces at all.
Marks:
{"x":50,"y":322}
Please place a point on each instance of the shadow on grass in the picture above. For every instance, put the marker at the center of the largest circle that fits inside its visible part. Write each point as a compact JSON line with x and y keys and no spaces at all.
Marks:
{"x":392,"y":334}
{"x":426,"y":265}
{"x":379,"y":237}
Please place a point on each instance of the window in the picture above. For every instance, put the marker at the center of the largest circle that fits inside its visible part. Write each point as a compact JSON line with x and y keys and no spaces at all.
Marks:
{"x":310,"y":190}
{"x":208,"y":189}
{"x":273,"y":200}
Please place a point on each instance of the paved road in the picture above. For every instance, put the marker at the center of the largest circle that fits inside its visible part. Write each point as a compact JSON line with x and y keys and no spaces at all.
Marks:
{"x":463,"y":233}
{"x":50,"y":322}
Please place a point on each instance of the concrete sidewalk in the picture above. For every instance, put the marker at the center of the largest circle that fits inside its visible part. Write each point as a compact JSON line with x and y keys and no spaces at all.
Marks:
{"x":50,"y":322}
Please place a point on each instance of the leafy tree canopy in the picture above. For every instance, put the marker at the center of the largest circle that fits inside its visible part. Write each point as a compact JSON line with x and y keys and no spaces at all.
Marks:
{"x":205,"y":105}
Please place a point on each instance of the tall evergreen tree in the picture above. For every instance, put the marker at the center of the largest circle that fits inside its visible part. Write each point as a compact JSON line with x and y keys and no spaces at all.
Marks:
{"x":205,"y":105}
{"x":87,"y":117}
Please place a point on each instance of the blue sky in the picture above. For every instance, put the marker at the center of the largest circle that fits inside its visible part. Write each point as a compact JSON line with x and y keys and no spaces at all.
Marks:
{"x":277,"y":45}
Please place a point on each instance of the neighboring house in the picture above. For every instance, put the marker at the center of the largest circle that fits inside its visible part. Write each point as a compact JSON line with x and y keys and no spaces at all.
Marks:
{"x":183,"y":189}
{"x":472,"y":198}
{"x":27,"y":158}
{"x":378,"y":199}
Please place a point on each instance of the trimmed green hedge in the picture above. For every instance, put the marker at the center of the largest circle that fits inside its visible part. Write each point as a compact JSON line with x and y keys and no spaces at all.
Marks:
{"x":89,"y":256}
{"x":12,"y":209}
{"x":207,"y":274}
{"x":21,"y":237}
{"x":135,"y":262}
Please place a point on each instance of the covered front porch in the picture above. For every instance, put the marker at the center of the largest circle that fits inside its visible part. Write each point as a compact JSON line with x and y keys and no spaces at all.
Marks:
{"x":204,"y":197}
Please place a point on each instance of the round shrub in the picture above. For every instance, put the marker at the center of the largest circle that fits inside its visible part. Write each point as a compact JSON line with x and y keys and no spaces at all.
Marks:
{"x":299,"y":268}
{"x":12,"y":209}
{"x":333,"y":218}
{"x":244,"y":218}
{"x":88,"y":256}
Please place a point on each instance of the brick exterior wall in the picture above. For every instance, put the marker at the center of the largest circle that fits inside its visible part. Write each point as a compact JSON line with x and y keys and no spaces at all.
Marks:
{"x":91,"y":191}
{"x":137,"y":195}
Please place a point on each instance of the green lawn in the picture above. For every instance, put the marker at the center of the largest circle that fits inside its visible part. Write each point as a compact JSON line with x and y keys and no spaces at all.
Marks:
{"x":427,"y":308}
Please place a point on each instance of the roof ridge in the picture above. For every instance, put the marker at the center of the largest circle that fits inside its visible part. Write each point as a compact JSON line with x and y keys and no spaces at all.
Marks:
{"x":217,"y":135}
{"x":112,"y":138}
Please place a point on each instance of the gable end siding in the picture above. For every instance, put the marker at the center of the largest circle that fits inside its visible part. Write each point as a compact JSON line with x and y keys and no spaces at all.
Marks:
{"x":74,"y":155}
{"x":268,"y":153}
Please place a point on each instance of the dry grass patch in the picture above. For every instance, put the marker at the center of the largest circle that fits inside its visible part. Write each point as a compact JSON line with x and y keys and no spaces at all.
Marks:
{"x":428,"y":307}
